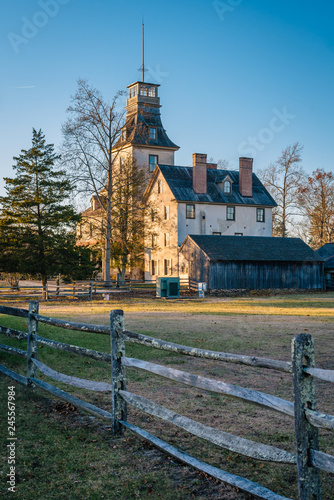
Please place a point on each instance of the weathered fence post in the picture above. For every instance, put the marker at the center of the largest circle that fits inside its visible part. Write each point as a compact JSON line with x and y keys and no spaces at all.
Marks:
{"x":309,"y":486}
{"x":32,"y":344}
{"x":90,"y":291}
{"x":118,"y":375}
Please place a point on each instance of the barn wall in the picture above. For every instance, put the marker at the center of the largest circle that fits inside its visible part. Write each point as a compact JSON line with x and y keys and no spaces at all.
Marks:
{"x":198,"y":263}
{"x":265,"y":275}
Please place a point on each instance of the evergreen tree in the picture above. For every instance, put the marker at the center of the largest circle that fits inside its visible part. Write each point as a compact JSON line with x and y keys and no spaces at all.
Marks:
{"x":35,"y":216}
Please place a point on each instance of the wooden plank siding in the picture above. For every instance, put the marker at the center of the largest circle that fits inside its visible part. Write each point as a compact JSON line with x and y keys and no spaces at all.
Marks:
{"x":247,"y":264}
{"x":265,"y":275}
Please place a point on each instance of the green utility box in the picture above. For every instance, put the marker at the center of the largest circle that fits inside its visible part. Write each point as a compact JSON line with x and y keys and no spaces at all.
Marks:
{"x":168,"y":287}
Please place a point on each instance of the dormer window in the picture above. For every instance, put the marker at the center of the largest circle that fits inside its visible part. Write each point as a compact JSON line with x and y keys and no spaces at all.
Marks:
{"x":227,"y":187}
{"x":124,"y":134}
{"x":153,"y":133}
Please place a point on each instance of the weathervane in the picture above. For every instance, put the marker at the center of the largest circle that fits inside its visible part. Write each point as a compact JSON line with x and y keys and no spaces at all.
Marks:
{"x":142,"y":67}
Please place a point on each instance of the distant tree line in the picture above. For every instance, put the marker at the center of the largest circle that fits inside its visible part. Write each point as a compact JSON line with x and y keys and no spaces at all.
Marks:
{"x":305,"y":203}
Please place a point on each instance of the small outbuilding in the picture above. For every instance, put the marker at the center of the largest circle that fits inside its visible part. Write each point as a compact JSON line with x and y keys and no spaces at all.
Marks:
{"x":251,"y":262}
{"x":327,"y":253}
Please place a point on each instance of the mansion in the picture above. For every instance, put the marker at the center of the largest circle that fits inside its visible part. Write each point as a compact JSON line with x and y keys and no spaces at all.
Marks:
{"x":190,"y":200}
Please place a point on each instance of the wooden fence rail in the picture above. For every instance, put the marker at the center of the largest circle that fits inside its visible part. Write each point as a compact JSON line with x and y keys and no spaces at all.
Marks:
{"x":308,"y":458}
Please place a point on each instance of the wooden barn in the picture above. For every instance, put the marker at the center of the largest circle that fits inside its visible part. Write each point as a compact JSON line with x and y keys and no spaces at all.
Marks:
{"x":251,"y":263}
{"x":327,"y":253}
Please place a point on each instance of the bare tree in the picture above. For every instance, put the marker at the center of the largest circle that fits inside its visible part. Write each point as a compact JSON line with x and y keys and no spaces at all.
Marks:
{"x":129,"y":213}
{"x":317,"y":202}
{"x":89,"y":136}
{"x":283,"y":180}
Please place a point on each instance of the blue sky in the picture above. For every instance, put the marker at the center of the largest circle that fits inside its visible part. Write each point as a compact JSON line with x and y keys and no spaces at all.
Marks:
{"x":238,"y":77}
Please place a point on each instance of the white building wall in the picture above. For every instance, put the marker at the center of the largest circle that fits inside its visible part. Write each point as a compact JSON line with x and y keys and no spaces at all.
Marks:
{"x":212,"y":218}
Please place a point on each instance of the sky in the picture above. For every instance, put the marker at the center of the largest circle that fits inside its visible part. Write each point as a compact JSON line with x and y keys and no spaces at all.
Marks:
{"x":238,"y":77}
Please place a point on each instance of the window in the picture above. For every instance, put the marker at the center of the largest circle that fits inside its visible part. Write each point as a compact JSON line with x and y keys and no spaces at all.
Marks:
{"x":153,"y":133}
{"x":238,"y":234}
{"x":166,"y":212}
{"x":153,"y":161}
{"x":166,"y":239}
{"x":168,"y":267}
{"x":155,"y":267}
{"x":152,"y":92}
{"x":160,"y":187}
{"x":124,"y":134}
{"x":153,"y":215}
{"x":190,"y":211}
{"x":133,"y":92}
{"x":216,"y":233}
{"x":230,"y":213}
{"x":227,"y":187}
{"x":154,"y":240}
{"x":121,"y":164}
{"x":143,"y":91}
{"x":260,"y":214}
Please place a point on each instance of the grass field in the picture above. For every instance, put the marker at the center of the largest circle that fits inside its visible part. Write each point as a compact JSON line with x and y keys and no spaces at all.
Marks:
{"x":63,"y":453}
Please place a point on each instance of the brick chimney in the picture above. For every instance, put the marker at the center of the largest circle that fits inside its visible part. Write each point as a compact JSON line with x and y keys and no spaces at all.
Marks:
{"x":246,"y":176}
{"x":199,"y":173}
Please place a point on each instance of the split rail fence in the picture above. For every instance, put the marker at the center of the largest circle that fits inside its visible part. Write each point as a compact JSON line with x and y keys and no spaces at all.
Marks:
{"x":49,"y":292}
{"x":308,"y":458}
{"x":82,"y":289}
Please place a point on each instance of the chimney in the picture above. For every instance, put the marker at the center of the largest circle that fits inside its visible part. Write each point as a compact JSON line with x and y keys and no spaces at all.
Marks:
{"x":199,"y":173}
{"x":246,"y":176}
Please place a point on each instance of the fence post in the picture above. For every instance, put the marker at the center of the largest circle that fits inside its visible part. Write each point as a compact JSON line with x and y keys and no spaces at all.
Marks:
{"x":118,"y":374}
{"x":90,"y":291}
{"x":309,"y":486}
{"x":32,"y":344}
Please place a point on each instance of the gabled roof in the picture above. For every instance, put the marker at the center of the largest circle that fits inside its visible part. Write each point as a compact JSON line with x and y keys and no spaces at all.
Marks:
{"x":326,"y":251}
{"x":253,"y":248}
{"x":180,"y":181}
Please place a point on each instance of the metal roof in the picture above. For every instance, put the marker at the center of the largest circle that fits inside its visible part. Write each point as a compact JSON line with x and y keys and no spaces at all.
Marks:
{"x":180,"y":181}
{"x":253,"y":248}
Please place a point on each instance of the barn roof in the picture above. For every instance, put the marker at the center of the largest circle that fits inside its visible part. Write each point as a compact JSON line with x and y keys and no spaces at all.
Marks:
{"x":254,"y":248}
{"x":326,"y":251}
{"x":180,"y":181}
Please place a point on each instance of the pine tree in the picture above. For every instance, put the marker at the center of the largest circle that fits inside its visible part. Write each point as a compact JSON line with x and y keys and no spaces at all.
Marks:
{"x":35,"y":215}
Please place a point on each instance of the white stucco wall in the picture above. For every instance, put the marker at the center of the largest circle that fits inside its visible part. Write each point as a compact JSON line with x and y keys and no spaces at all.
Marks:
{"x":215,"y":221}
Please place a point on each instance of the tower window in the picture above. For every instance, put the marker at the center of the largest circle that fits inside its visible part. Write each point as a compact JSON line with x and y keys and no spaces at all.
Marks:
{"x":230,"y":213}
{"x":143,"y":91}
{"x":153,"y":161}
{"x":153,"y":133}
{"x":152,"y":92}
{"x":260,"y":214}
{"x":133,"y":92}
